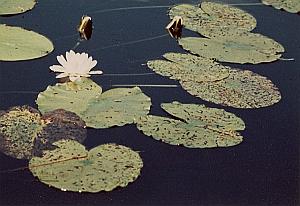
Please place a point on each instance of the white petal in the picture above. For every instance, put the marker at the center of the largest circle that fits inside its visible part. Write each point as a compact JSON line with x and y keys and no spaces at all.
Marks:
{"x":62,"y":75}
{"x":96,"y":72}
{"x":93,"y":64}
{"x":69,"y":56}
{"x":57,"y":68}
{"x":74,"y":78}
{"x":62,"y":60}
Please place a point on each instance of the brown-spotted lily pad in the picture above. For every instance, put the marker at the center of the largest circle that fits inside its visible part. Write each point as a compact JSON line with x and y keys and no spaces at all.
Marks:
{"x":292,"y":6}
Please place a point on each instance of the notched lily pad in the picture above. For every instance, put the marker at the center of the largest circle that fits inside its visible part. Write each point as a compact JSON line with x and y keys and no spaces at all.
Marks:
{"x":71,"y":96}
{"x":24,"y":132}
{"x":187,"y":67}
{"x":292,"y":6}
{"x":240,"y":48}
{"x":198,"y":126}
{"x":116,"y":107}
{"x":19,"y":44}
{"x":211,"y":19}
{"x":15,"y":6}
{"x":242,"y":89}
{"x":70,"y":167}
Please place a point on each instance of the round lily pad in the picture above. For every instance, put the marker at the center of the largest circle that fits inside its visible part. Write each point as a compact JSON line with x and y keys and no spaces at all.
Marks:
{"x":71,"y":96}
{"x":292,"y":6}
{"x":15,"y":6}
{"x":187,"y":67}
{"x":241,"y":48}
{"x":198,"y":126}
{"x":242,"y":89}
{"x":116,"y":107}
{"x":70,"y":167}
{"x":19,"y":44}
{"x":211,"y":18}
{"x":24,"y":132}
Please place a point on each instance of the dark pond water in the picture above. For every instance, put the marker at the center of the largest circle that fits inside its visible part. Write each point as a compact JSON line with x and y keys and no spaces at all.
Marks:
{"x":263,"y":170}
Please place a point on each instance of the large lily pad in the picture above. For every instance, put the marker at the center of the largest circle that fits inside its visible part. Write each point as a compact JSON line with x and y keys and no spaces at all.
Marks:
{"x":24,"y":132}
{"x":19,"y":44}
{"x":242,"y":89}
{"x":198,"y":126}
{"x":70,"y":167}
{"x":15,"y":6}
{"x":116,"y":107}
{"x":211,"y":19}
{"x":292,"y":6}
{"x":241,"y":48}
{"x":71,"y":96}
{"x":187,"y":67}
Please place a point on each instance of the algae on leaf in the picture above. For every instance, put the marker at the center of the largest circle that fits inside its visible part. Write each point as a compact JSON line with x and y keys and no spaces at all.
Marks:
{"x":24,"y":132}
{"x":19,"y":44}
{"x":71,"y":96}
{"x":8,"y":7}
{"x":116,"y":107}
{"x":70,"y":167}
{"x":292,"y":6}
{"x":211,"y":18}
{"x":242,"y":89}
{"x":240,"y":48}
{"x":187,"y":67}
{"x":198,"y":126}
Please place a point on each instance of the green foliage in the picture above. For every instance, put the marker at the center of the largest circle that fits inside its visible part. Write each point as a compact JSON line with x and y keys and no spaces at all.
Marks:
{"x":198,"y":126}
{"x":292,"y":6}
{"x":19,"y":44}
{"x":70,"y":167}
{"x":212,"y":19}
{"x":15,"y":6}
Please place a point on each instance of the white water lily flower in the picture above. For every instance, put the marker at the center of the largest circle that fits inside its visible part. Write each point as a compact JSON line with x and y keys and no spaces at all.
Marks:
{"x":75,"y":65}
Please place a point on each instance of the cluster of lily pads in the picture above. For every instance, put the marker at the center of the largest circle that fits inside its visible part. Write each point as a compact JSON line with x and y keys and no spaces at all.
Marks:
{"x":51,"y":136}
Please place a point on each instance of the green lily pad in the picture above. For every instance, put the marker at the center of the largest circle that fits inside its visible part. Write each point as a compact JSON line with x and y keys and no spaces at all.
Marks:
{"x":242,"y":48}
{"x":292,"y":6}
{"x":198,"y":126}
{"x":71,"y":96}
{"x":24,"y":132}
{"x":19,"y":44}
{"x":116,"y":107}
{"x":15,"y":6}
{"x":187,"y":67}
{"x":70,"y":167}
{"x":211,"y":19}
{"x":242,"y":89}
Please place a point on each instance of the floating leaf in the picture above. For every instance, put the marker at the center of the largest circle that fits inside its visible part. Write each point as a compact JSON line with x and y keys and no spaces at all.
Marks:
{"x":116,"y":107}
{"x":292,"y":6}
{"x":187,"y":67}
{"x":70,"y":167}
{"x":24,"y":132}
{"x":242,"y":89}
{"x":20,"y":44}
{"x":15,"y":6}
{"x":198,"y":127}
{"x":211,"y":19}
{"x":242,"y":48}
{"x":71,"y":96}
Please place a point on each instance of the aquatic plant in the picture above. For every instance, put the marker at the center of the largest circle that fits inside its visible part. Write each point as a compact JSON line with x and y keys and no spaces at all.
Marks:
{"x":16,"y":6}
{"x":70,"y":167}
{"x":292,"y":6}
{"x":195,"y":126}
{"x":75,"y":66}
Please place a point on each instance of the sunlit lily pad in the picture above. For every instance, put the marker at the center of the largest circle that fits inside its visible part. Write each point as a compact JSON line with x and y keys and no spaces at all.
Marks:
{"x":24,"y":132}
{"x":211,"y":18}
{"x":70,"y":167}
{"x":19,"y":44}
{"x":241,"y":48}
{"x":187,"y":67}
{"x":71,"y":96}
{"x":15,"y":6}
{"x":292,"y":6}
{"x":196,"y":126}
{"x":242,"y":89}
{"x":116,"y":107}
